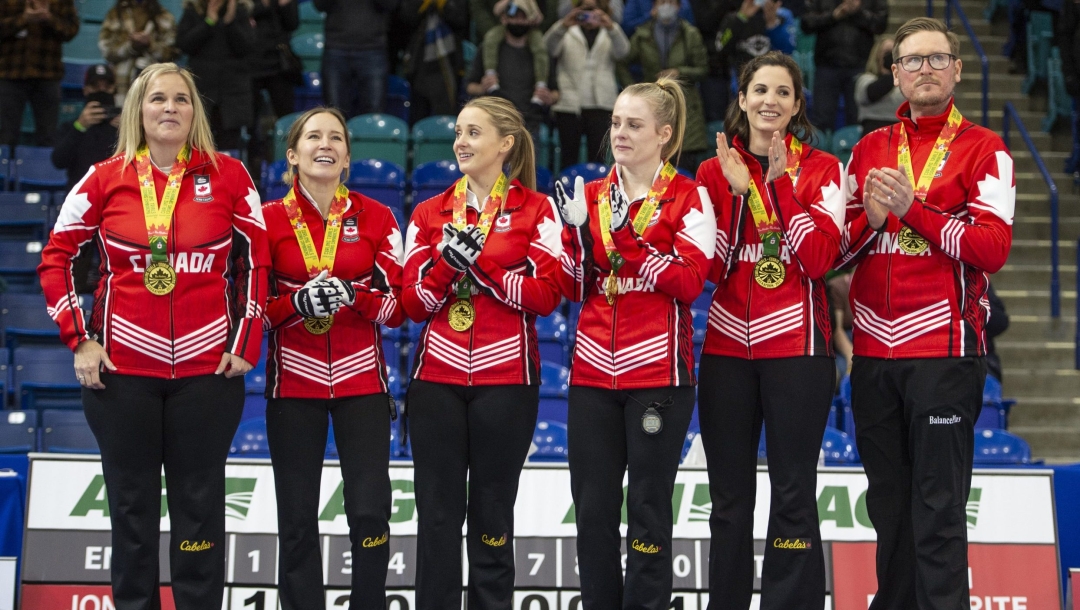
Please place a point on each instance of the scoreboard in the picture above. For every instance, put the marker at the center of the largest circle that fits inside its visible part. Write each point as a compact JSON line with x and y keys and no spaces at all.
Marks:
{"x":67,"y":557}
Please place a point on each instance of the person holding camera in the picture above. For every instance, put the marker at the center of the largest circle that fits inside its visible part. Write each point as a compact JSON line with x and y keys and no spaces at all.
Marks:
{"x":91,"y":137}
{"x":875,"y":93}
{"x":586,"y":43}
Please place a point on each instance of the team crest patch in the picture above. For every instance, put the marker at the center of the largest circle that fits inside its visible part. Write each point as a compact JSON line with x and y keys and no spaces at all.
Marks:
{"x":655,"y":216}
{"x":502,"y":223}
{"x":941,"y":166}
{"x":350,"y":232}
{"x":202,"y":188}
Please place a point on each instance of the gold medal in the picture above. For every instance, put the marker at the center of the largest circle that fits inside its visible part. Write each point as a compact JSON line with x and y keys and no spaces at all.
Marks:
{"x":911,"y":242}
{"x":318,"y":326}
{"x":159,"y":278}
{"x":611,"y":288}
{"x":462,"y":314}
{"x":769,"y":272}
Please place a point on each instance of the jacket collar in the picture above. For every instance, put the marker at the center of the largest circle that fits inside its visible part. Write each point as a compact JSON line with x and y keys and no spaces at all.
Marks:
{"x":353,"y":202}
{"x":512,"y":202}
{"x":925,"y":124}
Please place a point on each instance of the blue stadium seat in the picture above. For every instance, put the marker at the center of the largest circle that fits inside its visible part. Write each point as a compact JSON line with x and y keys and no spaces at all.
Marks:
{"x":254,"y":406}
{"x":574,"y":310}
{"x":553,"y":409}
{"x":5,"y":167}
{"x":588,"y":171}
{"x":701,"y":324}
{"x":310,"y":14}
{"x":761,"y":449}
{"x":691,"y":434}
{"x":18,"y":264}
{"x":272,"y":179}
{"x":25,"y":319}
{"x":66,"y":431}
{"x":382,"y":181}
{"x":379,"y":136}
{"x":18,"y":431}
{"x":432,"y":178}
{"x":255,"y":379}
{"x":83,"y":49}
{"x":5,"y":376}
{"x":553,"y":336}
{"x":330,"y":453}
{"x":554,"y":380}
{"x":398,"y":97}
{"x":24,"y":214}
{"x":34,"y":169}
{"x":44,"y":378}
{"x":844,"y":140}
{"x":433,"y":139}
{"x":839,"y":448}
{"x":250,"y":439}
{"x":310,"y":95}
{"x":550,"y":440}
{"x":281,"y":133}
{"x":92,"y":10}
{"x":545,"y":182}
{"x":393,"y":380}
{"x":308,"y":46}
{"x":71,"y":84}
{"x":703,"y":301}
{"x":997,"y":447}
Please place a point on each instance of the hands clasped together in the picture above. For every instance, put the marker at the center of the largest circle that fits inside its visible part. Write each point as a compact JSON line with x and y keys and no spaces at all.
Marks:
{"x":323,"y":296}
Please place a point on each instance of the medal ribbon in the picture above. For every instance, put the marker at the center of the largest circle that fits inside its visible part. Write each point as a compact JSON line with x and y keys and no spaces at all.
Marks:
{"x":768,"y":226}
{"x":158,"y":217}
{"x":641,"y":219}
{"x":941,"y":146}
{"x":487,"y":215}
{"x":313,"y":262}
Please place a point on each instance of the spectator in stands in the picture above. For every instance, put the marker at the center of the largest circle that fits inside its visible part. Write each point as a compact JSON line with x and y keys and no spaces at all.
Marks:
{"x":1067,"y":39}
{"x":637,"y":12}
{"x":218,"y":39}
{"x":876,"y":93}
{"x":434,"y":62}
{"x":716,"y":88}
{"x":355,"y":60}
{"x":135,"y":34}
{"x":515,"y":77}
{"x":519,"y":18}
{"x":485,"y":14}
{"x":272,"y":70}
{"x":614,"y":9}
{"x":32,"y":33}
{"x":586,"y":43}
{"x":669,"y":46}
{"x":845,"y":34}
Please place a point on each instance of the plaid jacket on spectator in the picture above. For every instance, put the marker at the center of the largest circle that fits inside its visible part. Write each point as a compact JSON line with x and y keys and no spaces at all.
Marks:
{"x":34,"y":50}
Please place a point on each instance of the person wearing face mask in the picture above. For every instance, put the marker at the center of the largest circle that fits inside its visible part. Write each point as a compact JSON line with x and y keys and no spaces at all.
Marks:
{"x":637,"y":246}
{"x":336,"y":276}
{"x":586,"y":43}
{"x":878,"y":97}
{"x":668,"y":46}
{"x":930,"y":204}
{"x":768,"y":354}
{"x":91,"y":137}
{"x":481,"y":263}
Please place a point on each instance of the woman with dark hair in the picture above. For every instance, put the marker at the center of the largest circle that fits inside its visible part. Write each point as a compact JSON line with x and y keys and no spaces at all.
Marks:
{"x":637,"y":248}
{"x":135,"y":34}
{"x":481,"y":262}
{"x":336,"y":270}
{"x":218,"y":38}
{"x":767,"y":354}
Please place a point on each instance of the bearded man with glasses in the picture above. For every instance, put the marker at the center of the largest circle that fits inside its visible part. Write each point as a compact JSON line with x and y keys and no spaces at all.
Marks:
{"x":929,"y":214}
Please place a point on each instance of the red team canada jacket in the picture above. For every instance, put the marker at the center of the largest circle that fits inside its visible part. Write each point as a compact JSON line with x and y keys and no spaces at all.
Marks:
{"x":348,"y":360}
{"x":747,"y":320}
{"x":515,"y":281}
{"x":217,"y":234}
{"x":646,"y":338}
{"x":932,"y":304}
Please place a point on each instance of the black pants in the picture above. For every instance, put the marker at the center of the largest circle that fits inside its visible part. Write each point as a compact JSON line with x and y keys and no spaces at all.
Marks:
{"x":296,"y":430}
{"x":830,"y":84}
{"x":605,"y":442}
{"x":593,"y":123}
{"x":914,"y":425}
{"x":187,"y":425}
{"x":792,"y":396}
{"x":469,"y":444}
{"x":44,"y":99}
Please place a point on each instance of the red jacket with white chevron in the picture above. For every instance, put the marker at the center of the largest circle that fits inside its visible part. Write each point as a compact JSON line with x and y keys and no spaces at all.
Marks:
{"x":644,"y":340}
{"x":348,"y":360}
{"x":747,"y":320}
{"x":932,"y":304}
{"x":216,"y":244}
{"x":514,"y":280}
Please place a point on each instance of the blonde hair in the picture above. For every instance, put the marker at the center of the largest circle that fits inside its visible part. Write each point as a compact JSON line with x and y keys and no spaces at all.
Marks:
{"x":509,"y":122}
{"x":873,"y":63}
{"x":132,"y":134}
{"x":297,"y":130}
{"x":666,"y":99}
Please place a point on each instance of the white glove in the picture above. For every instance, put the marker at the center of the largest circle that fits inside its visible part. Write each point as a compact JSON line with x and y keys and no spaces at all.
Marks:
{"x":448,"y":233}
{"x":316,"y":299}
{"x":620,"y":208}
{"x":572,"y":210}
{"x":343,"y":288}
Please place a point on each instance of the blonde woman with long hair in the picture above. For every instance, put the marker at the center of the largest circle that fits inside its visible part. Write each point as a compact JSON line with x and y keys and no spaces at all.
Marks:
{"x":176,"y":323}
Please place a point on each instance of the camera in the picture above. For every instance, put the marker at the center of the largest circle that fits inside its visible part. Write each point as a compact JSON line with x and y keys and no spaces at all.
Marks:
{"x":111,"y":112}
{"x":583,"y":17}
{"x":512,"y":10}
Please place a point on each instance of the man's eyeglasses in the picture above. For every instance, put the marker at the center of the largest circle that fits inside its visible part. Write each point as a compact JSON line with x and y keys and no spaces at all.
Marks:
{"x":914,"y":63}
